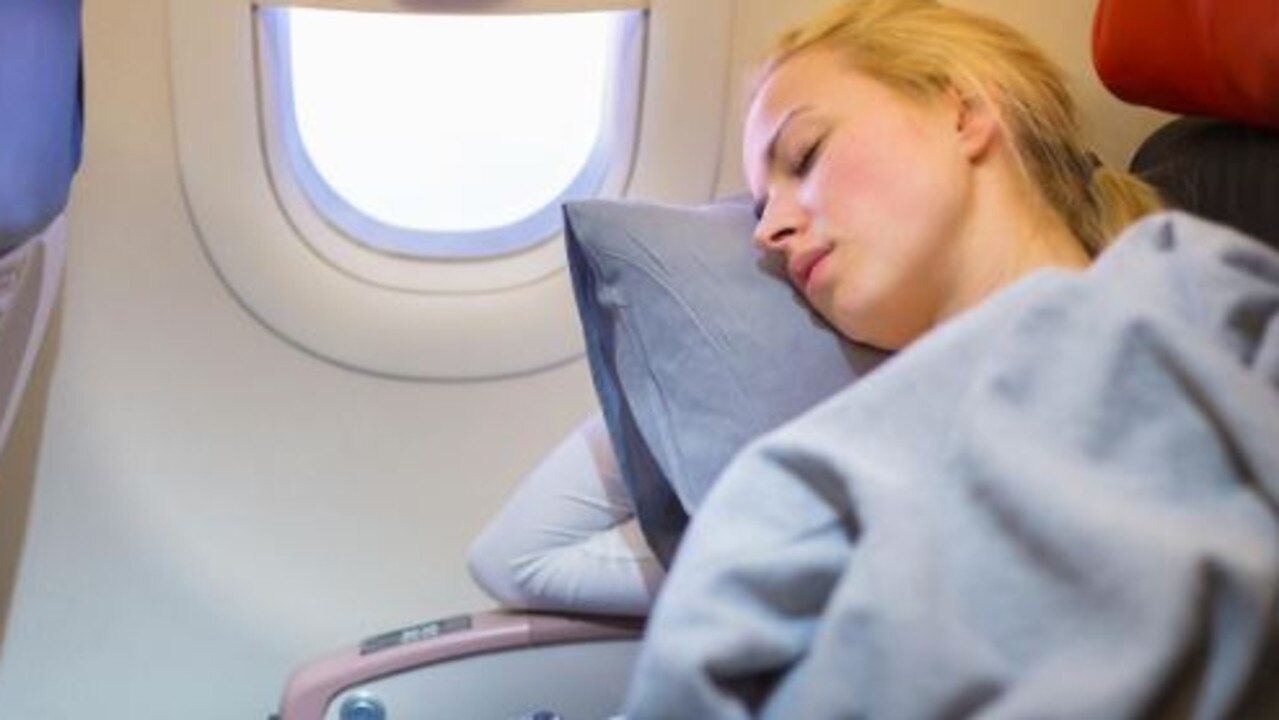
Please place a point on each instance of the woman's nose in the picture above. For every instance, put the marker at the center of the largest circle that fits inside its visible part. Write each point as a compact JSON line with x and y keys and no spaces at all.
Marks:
{"x":775,"y":227}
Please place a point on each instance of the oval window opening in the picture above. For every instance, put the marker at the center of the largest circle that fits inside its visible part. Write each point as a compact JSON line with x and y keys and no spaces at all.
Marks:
{"x":444,"y":136}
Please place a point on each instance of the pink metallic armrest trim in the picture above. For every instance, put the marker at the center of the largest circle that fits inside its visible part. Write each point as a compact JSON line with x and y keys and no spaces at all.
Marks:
{"x":312,"y":687}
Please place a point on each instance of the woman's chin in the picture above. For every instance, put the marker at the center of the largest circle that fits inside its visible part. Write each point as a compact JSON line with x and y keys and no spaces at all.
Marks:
{"x":873,"y":329}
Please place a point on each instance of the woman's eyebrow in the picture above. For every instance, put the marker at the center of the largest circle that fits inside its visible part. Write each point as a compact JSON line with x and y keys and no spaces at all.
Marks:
{"x":771,"y":152}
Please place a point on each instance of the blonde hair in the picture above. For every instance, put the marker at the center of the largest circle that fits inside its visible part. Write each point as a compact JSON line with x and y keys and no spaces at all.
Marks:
{"x":924,"y":49}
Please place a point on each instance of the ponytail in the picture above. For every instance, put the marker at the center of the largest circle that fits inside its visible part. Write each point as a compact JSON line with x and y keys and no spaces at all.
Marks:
{"x":1116,"y":200}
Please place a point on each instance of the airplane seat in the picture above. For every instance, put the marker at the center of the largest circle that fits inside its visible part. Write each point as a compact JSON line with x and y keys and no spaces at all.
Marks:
{"x":40,"y":140}
{"x":1217,"y":65}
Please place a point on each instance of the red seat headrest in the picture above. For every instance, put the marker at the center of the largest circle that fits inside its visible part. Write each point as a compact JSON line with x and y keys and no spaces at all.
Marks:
{"x":1218,"y":58}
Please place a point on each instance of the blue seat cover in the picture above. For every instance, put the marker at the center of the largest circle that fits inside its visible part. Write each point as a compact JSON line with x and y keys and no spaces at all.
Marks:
{"x":40,"y":113}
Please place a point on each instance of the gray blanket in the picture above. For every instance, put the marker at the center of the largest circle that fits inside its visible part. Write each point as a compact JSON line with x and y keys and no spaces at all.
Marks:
{"x":1062,"y":504}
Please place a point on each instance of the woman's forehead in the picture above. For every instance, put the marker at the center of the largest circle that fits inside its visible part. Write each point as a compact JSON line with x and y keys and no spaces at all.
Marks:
{"x":816,"y":79}
{"x":803,"y":83}
{"x":802,"y":75}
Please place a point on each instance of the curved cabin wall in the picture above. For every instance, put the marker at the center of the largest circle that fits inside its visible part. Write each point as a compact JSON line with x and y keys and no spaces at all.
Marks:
{"x":207,"y":504}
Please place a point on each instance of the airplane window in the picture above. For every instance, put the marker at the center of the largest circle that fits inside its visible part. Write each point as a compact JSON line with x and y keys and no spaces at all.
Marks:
{"x":447,"y":136}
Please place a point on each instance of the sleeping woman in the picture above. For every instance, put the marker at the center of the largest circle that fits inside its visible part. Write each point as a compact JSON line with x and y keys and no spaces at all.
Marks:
{"x":1059,"y":498}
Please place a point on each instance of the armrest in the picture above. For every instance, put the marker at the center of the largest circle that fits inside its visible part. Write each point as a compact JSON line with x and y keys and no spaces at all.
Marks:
{"x":30,"y":275}
{"x":313,"y":689}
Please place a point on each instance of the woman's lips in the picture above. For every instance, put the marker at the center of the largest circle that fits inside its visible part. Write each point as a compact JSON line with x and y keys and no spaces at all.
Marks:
{"x":803,"y":266}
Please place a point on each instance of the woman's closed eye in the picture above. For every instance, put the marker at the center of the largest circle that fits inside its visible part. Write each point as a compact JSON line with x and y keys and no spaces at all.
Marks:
{"x":806,"y":159}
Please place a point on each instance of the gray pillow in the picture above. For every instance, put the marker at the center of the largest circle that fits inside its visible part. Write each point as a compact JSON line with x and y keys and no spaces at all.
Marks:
{"x":696,"y":345}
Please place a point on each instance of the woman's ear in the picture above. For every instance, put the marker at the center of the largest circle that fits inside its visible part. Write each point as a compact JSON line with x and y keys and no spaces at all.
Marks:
{"x":976,"y":123}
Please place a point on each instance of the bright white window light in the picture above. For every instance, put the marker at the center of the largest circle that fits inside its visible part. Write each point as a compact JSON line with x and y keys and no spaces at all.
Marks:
{"x":452,"y":123}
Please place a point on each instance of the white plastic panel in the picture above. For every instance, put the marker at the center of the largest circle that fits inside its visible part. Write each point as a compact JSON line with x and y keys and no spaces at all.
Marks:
{"x":467,"y":320}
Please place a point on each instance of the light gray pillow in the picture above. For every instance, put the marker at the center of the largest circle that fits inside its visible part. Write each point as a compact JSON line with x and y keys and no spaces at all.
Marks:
{"x":696,"y":345}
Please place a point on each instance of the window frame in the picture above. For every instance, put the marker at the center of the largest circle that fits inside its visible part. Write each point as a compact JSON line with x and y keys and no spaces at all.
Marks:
{"x":603,"y":175}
